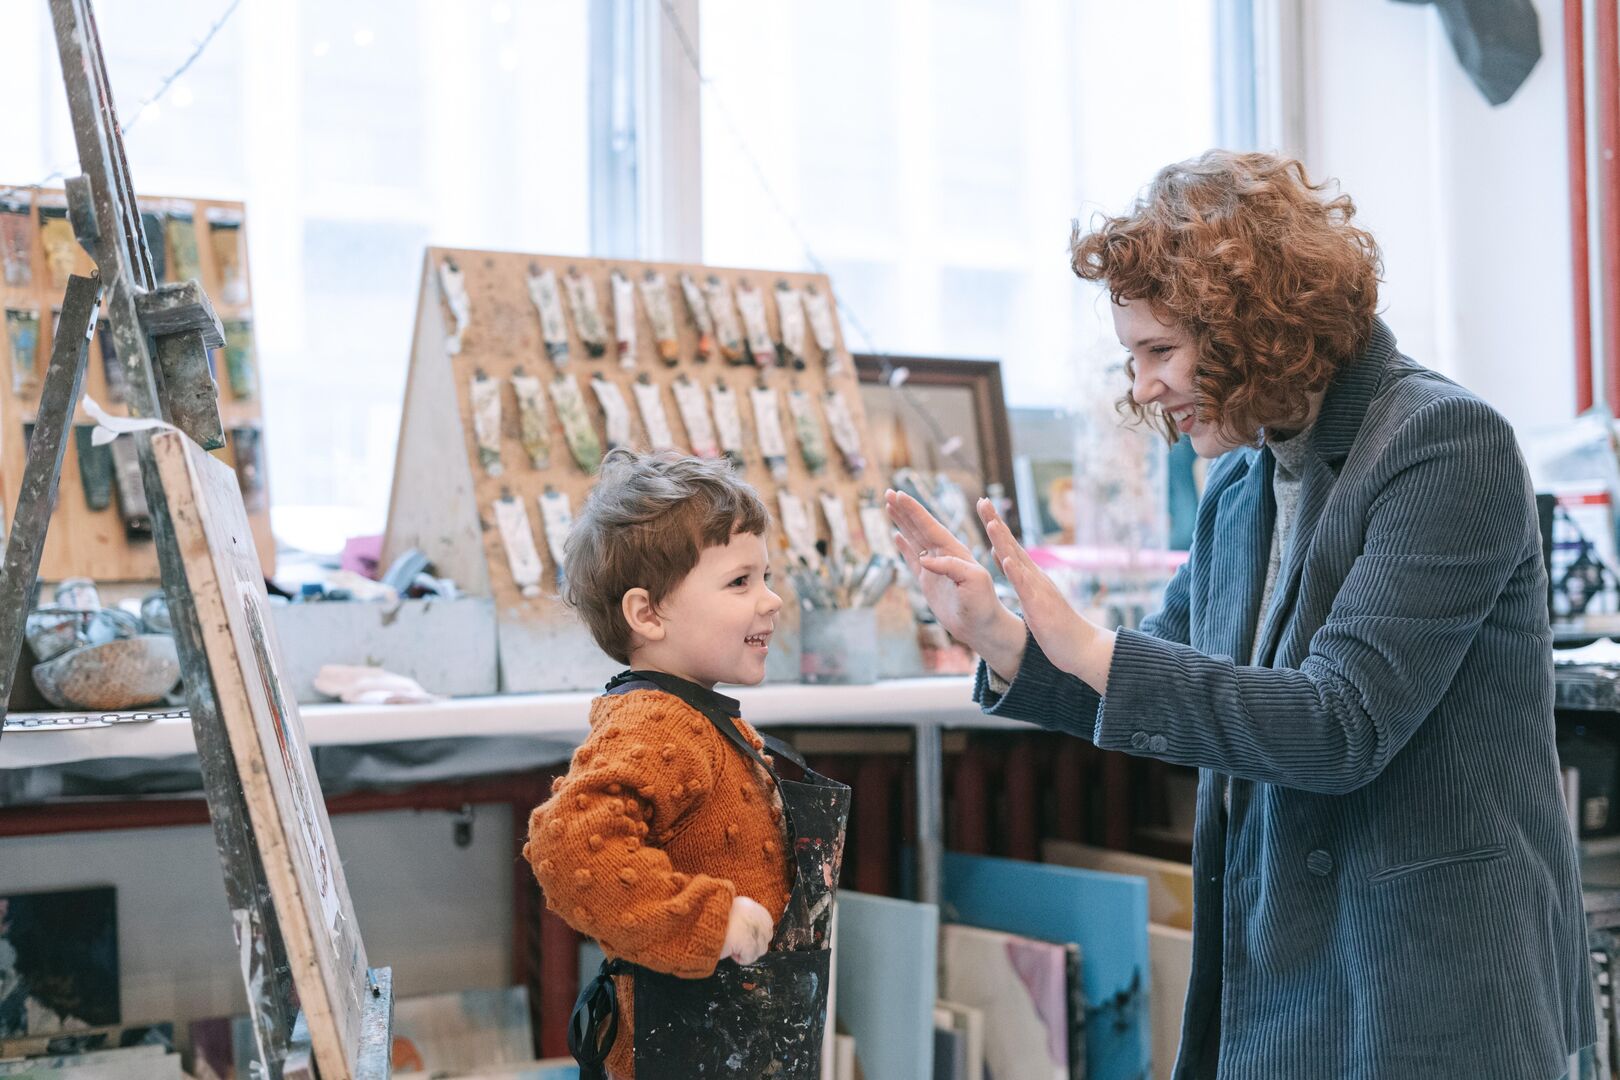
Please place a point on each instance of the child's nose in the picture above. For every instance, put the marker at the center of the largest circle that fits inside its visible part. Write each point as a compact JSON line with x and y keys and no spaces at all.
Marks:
{"x":773,"y":602}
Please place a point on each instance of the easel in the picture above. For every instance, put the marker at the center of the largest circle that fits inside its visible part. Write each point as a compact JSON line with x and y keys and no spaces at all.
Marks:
{"x":294,"y":923}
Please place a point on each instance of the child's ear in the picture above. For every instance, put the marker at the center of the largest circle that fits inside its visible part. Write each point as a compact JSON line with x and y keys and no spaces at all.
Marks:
{"x":641,"y":616}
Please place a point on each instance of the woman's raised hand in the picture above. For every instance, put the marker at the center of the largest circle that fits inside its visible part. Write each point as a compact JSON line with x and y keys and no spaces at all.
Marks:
{"x":1067,"y":638}
{"x":958,"y":589}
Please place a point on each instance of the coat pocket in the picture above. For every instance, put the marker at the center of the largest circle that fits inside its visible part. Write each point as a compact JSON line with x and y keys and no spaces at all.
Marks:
{"x":1450,"y":858}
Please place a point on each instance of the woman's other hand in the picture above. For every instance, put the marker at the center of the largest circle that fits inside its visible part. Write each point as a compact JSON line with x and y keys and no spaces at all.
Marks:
{"x":958,"y":590}
{"x":1070,"y":641}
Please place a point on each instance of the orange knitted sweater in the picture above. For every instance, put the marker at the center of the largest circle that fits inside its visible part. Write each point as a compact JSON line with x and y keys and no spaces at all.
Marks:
{"x":658,"y":825}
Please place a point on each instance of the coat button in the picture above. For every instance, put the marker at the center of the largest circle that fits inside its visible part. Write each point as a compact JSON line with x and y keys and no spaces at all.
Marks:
{"x":1158,"y":744}
{"x":1319,"y":863}
{"x":1139,"y":740}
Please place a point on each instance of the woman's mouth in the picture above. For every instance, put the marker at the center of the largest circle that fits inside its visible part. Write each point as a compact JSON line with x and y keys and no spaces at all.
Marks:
{"x":1184,"y":418}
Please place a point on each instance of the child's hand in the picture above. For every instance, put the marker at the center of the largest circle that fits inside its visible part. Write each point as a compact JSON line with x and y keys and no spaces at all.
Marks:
{"x":748,"y":934}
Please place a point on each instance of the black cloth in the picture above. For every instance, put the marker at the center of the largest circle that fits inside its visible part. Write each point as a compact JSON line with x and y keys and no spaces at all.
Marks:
{"x":1498,"y":42}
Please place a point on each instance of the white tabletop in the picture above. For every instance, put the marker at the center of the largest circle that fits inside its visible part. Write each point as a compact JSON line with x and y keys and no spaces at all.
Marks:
{"x":945,"y":701}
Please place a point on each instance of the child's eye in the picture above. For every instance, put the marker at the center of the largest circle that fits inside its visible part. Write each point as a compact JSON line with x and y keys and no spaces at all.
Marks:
{"x":738,"y":583}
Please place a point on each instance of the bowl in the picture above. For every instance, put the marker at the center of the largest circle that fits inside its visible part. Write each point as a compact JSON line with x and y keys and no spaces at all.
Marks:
{"x":52,"y":630}
{"x":118,"y":674}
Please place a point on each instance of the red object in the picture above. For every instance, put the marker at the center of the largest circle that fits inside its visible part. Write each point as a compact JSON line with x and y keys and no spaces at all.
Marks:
{"x":1579,"y":215}
{"x":1608,"y":63}
{"x":872,"y":800}
{"x":1069,"y":787}
{"x":1022,"y":795}
{"x":970,"y":803}
{"x":559,"y":983}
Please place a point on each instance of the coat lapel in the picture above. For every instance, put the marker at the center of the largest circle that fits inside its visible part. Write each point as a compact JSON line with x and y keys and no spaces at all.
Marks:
{"x":1242,"y":540}
{"x":1316,"y":484}
{"x":1334,"y":433}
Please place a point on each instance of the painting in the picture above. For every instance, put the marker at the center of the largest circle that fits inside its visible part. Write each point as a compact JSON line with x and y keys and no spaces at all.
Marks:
{"x":58,"y":962}
{"x":944,"y":416}
{"x":1023,"y":987}
{"x":1043,"y":474}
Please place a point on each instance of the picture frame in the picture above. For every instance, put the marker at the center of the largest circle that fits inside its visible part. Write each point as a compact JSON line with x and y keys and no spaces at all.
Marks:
{"x":941,"y":399}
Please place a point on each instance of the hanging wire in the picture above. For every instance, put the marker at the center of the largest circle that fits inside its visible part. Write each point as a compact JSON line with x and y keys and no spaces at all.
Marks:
{"x":151,"y":99}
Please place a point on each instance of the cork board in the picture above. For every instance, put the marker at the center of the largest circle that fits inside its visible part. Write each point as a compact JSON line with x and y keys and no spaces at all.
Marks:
{"x":81,"y":541}
{"x":443,"y":495}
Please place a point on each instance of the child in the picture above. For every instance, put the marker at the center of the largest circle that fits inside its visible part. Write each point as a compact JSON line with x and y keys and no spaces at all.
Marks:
{"x":672,"y":841}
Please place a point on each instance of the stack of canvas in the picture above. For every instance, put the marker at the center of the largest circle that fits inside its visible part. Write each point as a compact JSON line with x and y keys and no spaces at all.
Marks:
{"x":1027,"y":996}
{"x":886,"y":957}
{"x":1102,"y":916}
{"x":1169,"y":886}
{"x":462,"y":1034}
{"x":471,"y":1035}
{"x":146,"y":1062}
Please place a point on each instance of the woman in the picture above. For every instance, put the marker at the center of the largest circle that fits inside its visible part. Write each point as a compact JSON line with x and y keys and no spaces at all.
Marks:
{"x":1356,"y":656}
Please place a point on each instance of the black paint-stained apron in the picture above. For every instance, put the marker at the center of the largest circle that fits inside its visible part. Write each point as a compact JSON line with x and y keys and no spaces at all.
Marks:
{"x":762,"y":1020}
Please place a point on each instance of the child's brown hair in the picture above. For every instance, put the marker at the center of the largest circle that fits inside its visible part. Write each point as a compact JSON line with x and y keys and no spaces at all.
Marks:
{"x":644,"y":526}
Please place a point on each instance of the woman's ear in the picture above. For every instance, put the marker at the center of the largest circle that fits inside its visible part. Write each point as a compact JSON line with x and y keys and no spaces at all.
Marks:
{"x":642,"y":618}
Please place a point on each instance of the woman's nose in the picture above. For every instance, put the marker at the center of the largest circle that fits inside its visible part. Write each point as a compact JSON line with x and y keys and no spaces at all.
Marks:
{"x":1146,"y":388}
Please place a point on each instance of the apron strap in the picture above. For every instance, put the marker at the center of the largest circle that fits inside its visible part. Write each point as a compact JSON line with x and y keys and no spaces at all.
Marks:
{"x":594,"y":1024}
{"x":718,"y":717}
{"x":783,"y":750}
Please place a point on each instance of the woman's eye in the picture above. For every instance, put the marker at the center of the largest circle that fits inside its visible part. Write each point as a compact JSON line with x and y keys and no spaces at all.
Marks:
{"x":1159,"y":350}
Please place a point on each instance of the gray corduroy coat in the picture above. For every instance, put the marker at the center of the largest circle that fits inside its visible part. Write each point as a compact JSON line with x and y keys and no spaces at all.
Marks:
{"x":1393,"y":892}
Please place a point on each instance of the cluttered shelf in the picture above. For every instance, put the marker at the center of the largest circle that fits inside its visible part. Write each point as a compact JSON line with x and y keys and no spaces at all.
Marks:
{"x":944,"y":701}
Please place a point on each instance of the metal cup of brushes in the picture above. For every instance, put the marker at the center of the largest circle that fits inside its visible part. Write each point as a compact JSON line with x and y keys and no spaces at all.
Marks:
{"x":838,"y":632}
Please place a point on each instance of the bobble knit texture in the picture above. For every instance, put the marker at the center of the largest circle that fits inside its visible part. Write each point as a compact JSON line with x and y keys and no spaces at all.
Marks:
{"x":658,"y":825}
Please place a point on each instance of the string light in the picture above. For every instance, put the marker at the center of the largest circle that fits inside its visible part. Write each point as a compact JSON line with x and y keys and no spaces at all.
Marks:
{"x":149,"y":104}
{"x":163,"y":87}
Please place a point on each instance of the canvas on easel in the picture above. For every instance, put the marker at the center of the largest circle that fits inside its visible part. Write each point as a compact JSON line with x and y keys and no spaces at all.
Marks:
{"x":260,"y":715}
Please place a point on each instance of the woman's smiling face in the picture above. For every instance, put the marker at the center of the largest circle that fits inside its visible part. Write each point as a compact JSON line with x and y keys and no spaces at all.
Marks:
{"x":1165,"y":358}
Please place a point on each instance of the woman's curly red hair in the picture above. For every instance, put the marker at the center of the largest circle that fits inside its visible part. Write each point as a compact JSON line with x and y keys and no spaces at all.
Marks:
{"x":1262,"y":267}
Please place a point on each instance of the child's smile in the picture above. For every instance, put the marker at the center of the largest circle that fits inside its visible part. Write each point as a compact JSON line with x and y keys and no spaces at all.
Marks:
{"x":718,"y":621}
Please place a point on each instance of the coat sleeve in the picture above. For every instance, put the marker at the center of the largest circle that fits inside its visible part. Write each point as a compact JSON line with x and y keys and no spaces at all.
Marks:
{"x":1058,"y":701}
{"x":593,"y":846}
{"x":1452,"y":522}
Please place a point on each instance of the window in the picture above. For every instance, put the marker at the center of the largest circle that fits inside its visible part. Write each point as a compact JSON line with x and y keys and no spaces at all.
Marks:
{"x":934,"y":154}
{"x":356,"y":134}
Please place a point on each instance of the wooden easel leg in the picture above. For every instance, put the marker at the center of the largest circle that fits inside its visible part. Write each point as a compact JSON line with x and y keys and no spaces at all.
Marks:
{"x":64,"y":380}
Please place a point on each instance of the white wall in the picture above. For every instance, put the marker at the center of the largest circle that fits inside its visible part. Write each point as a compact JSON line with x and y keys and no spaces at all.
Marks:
{"x":1469,"y":202}
{"x":439,"y":915}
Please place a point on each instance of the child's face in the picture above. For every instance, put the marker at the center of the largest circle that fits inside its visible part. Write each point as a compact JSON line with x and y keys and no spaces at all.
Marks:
{"x":720,"y":617}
